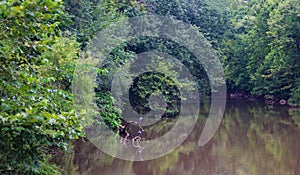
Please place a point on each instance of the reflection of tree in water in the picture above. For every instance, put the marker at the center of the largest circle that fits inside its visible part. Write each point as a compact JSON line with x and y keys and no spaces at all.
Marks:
{"x":270,"y":146}
{"x":295,"y":113}
{"x":251,"y":140}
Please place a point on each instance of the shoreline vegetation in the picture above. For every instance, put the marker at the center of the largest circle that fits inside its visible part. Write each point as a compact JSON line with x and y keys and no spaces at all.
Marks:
{"x":268,"y":100}
{"x":41,"y":42}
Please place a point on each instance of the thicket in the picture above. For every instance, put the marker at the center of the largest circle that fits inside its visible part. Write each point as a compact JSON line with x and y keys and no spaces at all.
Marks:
{"x":262,"y":56}
{"x":257,"y":41}
{"x":41,"y":40}
{"x":40,"y":43}
{"x":37,"y":61}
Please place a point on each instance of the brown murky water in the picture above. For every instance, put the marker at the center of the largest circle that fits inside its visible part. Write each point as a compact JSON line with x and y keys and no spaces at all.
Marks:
{"x":253,"y":139}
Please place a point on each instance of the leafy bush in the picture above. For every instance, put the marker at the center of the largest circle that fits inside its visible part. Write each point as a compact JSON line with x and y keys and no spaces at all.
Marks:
{"x":37,"y":58}
{"x":295,"y":99}
{"x":37,"y":64}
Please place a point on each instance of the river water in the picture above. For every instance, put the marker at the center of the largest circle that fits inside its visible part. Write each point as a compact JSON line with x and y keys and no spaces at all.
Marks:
{"x":253,"y":139}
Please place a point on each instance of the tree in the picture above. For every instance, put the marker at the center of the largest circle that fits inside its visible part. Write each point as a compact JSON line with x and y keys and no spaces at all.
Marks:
{"x":261,"y":59}
{"x":37,"y":61}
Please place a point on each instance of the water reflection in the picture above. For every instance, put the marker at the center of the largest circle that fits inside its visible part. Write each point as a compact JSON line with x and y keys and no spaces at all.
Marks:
{"x":253,"y":139}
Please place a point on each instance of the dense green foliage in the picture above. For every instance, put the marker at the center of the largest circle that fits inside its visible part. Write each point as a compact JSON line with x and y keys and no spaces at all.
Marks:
{"x":37,"y":62}
{"x":213,"y":23}
{"x":38,"y":56}
{"x":257,"y":40}
{"x":91,"y":16}
{"x":40,"y":41}
{"x":262,"y":58}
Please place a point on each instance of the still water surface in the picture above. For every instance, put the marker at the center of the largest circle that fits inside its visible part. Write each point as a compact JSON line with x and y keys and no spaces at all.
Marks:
{"x":253,"y":139}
